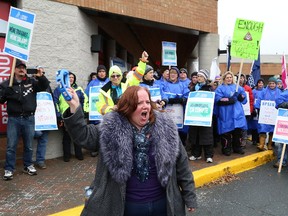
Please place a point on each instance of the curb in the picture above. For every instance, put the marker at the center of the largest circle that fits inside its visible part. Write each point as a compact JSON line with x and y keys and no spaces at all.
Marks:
{"x":207,"y":175}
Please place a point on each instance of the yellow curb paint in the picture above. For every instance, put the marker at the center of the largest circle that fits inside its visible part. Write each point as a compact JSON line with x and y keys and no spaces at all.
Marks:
{"x":207,"y":175}
{"x":70,"y":212}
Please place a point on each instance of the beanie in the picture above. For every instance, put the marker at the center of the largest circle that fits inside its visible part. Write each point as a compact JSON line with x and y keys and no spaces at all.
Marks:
{"x":184,"y":70}
{"x":148,"y":68}
{"x":101,"y":67}
{"x":176,"y":69}
{"x":272,"y":79}
{"x":114,"y":69}
{"x":204,"y":73}
{"x":279,"y":81}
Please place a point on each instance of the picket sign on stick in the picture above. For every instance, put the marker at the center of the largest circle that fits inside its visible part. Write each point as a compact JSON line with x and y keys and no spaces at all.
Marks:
{"x":12,"y":72}
{"x":282,"y":156}
{"x":239,"y":75}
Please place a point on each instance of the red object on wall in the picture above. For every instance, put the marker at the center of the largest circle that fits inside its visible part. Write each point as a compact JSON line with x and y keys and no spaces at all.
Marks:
{"x":5,"y":66}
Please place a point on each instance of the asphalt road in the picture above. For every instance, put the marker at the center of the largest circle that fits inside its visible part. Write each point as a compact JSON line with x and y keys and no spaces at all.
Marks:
{"x":258,"y":192}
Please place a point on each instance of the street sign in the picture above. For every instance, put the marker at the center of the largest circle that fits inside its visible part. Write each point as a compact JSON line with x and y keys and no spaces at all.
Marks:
{"x":169,"y":55}
{"x":246,"y":39}
{"x":19,"y":33}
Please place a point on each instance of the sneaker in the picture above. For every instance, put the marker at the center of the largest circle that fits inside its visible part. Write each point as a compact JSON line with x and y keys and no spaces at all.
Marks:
{"x":30,"y":170}
{"x":193,"y":158}
{"x":276,"y":165}
{"x":209,"y":160}
{"x":8,"y":175}
{"x":41,"y":165}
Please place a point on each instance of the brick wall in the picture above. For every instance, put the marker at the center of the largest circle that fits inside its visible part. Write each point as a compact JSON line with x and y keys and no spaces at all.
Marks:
{"x":191,"y":14}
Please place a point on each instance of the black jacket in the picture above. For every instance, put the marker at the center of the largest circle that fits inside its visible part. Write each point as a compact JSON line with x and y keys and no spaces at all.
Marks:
{"x":22,"y":99}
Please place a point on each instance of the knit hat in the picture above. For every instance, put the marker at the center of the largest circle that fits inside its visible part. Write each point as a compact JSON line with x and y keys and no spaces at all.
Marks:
{"x":272,"y":79}
{"x":204,"y":73}
{"x":184,"y":70}
{"x":101,"y":67}
{"x":279,"y":81}
{"x":114,"y":69}
{"x":148,"y":68}
{"x":176,"y":69}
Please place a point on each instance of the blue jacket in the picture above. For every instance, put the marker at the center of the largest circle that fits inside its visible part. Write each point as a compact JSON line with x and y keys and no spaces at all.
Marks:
{"x":270,"y":95}
{"x":282,"y":98}
{"x":95,"y":82}
{"x":230,"y":116}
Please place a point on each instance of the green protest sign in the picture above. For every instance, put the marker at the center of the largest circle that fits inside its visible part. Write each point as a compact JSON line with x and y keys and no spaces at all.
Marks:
{"x":246,"y":39}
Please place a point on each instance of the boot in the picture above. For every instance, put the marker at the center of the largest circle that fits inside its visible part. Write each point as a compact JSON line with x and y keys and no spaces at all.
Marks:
{"x":262,"y":138}
{"x":269,"y":146}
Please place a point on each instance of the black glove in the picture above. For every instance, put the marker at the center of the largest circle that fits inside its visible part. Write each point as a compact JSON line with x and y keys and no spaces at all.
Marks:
{"x":9,"y":91}
{"x":283,"y":105}
{"x":240,"y":98}
{"x":86,"y":114}
{"x":230,"y":101}
{"x":175,"y":101}
{"x":254,"y":113}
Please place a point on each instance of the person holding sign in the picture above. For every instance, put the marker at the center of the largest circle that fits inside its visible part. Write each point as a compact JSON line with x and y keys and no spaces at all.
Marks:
{"x":198,"y":136}
{"x":149,"y":83}
{"x":282,"y":102}
{"x":175,"y":95}
{"x":270,"y":93}
{"x":21,"y":106}
{"x":231,"y":118}
{"x":111,"y":92}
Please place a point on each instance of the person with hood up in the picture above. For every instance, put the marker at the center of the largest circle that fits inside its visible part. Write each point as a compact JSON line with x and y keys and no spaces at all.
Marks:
{"x":101,"y":79}
{"x":61,"y":106}
{"x":142,"y":168}
{"x":111,"y":92}
{"x":230,"y":115}
{"x":270,"y":93}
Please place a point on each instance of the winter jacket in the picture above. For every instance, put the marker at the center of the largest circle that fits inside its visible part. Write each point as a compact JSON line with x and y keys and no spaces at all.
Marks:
{"x":23,"y":98}
{"x":96,"y":82}
{"x":199,"y":135}
{"x":114,"y":166}
{"x":61,"y":104}
{"x":230,"y":115}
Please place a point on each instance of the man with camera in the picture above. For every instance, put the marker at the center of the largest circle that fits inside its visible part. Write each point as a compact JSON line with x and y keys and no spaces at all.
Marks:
{"x":20,"y":96}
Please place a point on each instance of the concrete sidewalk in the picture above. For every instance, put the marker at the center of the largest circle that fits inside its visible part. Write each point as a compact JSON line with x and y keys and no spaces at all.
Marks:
{"x":59,"y":189}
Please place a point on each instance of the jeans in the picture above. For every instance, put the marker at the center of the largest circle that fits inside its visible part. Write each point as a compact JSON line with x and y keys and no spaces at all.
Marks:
{"x":42,"y":140}
{"x":279,"y":152}
{"x":16,"y":126}
{"x":156,"y":208}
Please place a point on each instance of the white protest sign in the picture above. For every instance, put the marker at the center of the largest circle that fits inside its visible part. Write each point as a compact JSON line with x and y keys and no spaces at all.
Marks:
{"x":19,"y":33}
{"x":155,"y":94}
{"x":45,"y":115}
{"x":268,"y":112}
{"x":93,"y":99}
{"x":199,"y":108}
{"x":280,"y":133}
{"x":175,"y":111}
{"x":169,"y":55}
{"x":246,"y":107}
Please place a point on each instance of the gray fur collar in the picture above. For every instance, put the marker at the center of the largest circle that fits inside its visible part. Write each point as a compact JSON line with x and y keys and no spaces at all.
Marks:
{"x":116,"y":146}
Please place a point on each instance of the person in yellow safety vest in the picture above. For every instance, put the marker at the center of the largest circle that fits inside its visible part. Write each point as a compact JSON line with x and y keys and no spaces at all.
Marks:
{"x":111,"y":92}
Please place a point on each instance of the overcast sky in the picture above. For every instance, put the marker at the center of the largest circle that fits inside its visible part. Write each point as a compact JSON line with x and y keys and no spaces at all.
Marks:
{"x":273,"y":13}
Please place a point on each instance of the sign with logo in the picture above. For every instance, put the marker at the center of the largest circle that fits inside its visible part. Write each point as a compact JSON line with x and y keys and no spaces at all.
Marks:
{"x":169,"y":55}
{"x":268,"y":112}
{"x":19,"y":33}
{"x":246,"y":39}
{"x":199,"y":108}
{"x":280,"y":133}
{"x":93,"y":99}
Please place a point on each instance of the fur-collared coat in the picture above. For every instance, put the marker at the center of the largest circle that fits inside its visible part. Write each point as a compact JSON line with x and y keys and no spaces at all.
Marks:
{"x":116,"y":158}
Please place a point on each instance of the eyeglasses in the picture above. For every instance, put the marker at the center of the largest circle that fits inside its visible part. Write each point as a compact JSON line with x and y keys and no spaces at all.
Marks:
{"x":114,"y":76}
